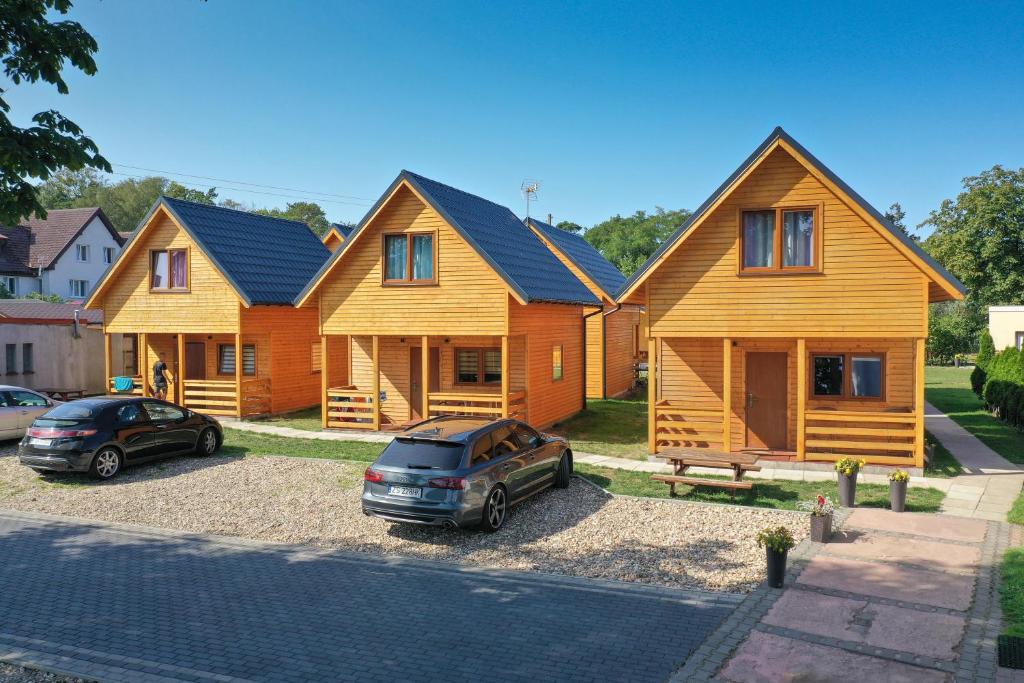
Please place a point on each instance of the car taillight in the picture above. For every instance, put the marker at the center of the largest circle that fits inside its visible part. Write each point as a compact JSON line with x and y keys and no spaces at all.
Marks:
{"x":54,"y":433}
{"x":447,"y":483}
{"x":373,"y":475}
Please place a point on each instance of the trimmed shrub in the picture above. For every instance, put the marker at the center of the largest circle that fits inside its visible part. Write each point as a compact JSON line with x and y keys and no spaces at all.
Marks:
{"x":986,"y":350}
{"x":978,"y":377}
{"x":1003,"y":389}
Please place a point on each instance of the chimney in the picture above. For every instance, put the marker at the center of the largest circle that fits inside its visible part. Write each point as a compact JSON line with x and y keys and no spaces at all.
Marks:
{"x":550,"y":220}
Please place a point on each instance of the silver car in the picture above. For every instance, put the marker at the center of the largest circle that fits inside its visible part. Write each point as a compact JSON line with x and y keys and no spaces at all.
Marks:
{"x":18,"y":408}
{"x":463,"y":471}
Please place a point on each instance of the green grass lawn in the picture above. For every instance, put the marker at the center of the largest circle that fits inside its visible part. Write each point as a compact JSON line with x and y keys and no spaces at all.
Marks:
{"x":780,"y":495}
{"x":1011,"y":592}
{"x":611,"y":427}
{"x":237,"y":442}
{"x":949,"y":390}
{"x":943,"y":465}
{"x":308,"y":419}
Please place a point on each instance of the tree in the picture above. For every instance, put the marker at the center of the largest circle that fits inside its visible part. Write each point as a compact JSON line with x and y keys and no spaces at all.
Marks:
{"x":33,"y":48}
{"x":628,"y":242}
{"x":979,"y":236}
{"x":952,"y":329}
{"x":232,"y":204}
{"x":50,"y":298}
{"x":309,"y":213}
{"x":895,"y":215}
{"x":5,"y":293}
{"x":569,"y":226}
{"x":179,"y":191}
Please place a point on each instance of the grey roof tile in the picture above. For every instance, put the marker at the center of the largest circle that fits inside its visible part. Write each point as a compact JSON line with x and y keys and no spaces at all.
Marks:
{"x":585,"y":256}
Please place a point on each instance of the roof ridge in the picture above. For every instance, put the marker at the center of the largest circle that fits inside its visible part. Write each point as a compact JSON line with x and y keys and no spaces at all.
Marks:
{"x":239,"y":211}
{"x":544,"y":226}
{"x":455,"y":189}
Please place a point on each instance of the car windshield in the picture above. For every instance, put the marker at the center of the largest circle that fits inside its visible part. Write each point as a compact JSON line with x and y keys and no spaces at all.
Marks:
{"x":71,"y":411}
{"x":422,"y":454}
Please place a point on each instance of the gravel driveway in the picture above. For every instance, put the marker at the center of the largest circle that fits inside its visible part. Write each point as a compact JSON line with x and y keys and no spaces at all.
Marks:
{"x":580,"y":531}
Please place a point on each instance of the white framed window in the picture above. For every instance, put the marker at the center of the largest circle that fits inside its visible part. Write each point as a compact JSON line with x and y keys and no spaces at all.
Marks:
{"x":108,"y":255}
{"x":78,"y":288}
{"x":82,"y":253}
{"x":11,"y":283}
{"x":1020,"y":341}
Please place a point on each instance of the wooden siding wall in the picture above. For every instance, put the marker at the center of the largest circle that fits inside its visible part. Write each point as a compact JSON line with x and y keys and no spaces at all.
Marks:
{"x":210,"y":305}
{"x":290,"y":334}
{"x":338,"y":348}
{"x":595,"y":355}
{"x":620,"y":358}
{"x":547,"y":325}
{"x":691,"y":376}
{"x":469,"y":296}
{"x":867,"y":288}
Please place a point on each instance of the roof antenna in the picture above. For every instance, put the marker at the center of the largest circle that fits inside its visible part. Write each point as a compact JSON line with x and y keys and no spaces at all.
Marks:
{"x":531,"y":192}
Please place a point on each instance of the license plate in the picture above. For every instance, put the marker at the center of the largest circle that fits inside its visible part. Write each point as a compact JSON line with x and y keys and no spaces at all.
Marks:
{"x":404,"y":491}
{"x":40,"y":443}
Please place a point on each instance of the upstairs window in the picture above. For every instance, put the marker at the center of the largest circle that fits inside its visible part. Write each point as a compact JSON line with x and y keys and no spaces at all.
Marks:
{"x":478,"y":366}
{"x":108,"y":255}
{"x":409,"y":258}
{"x":169,"y":270}
{"x":78,"y":288}
{"x":82,"y":253}
{"x":777,"y":240}
{"x":849,"y":375}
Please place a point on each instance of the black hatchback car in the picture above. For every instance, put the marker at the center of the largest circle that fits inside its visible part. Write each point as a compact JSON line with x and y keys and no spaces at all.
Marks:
{"x":104,"y":434}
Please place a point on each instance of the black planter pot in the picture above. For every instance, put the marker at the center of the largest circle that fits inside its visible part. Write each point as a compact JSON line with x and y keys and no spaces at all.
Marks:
{"x":898,"y":495}
{"x":776,"y":567}
{"x":1011,"y":652}
{"x":821,"y":528}
{"x":847,"y":489}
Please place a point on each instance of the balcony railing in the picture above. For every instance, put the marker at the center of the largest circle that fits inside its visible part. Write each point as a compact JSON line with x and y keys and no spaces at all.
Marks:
{"x":136,"y":386}
{"x":350,"y":408}
{"x":681,"y":425}
{"x":885,"y":438}
{"x":211,"y":396}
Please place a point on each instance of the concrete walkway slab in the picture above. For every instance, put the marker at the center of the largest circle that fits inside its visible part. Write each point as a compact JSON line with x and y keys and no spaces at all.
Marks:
{"x":767,"y":657}
{"x":898,"y":549}
{"x":919,"y":586}
{"x":858,"y":621}
{"x":919,"y":524}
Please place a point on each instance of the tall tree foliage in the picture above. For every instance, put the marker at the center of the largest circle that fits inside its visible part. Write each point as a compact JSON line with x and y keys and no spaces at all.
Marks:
{"x":896,"y":215}
{"x":33,"y":48}
{"x":309,"y":213}
{"x":629,"y":241}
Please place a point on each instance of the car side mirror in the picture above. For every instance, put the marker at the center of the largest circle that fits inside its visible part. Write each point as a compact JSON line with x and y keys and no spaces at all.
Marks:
{"x":536,"y":442}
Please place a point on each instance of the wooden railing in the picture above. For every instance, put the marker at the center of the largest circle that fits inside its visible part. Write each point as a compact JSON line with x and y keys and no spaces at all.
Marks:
{"x":136,"y":386}
{"x":256,"y":396}
{"x":350,"y":408}
{"x":884,"y":438}
{"x":463,"y":403}
{"x":211,"y":396}
{"x":687,"y":425}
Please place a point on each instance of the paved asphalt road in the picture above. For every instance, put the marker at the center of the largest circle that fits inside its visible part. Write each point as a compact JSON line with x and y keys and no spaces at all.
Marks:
{"x":118,"y":603}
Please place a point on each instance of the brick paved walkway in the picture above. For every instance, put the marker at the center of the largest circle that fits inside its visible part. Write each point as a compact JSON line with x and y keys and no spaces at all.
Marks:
{"x":892,"y":598}
{"x":117,"y":603}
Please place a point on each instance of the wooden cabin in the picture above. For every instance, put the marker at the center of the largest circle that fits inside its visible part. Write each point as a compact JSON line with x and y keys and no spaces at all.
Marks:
{"x":614,"y":342}
{"x":209,"y":290}
{"x":452,"y":306}
{"x":789,"y":317}
{"x":336,"y":236}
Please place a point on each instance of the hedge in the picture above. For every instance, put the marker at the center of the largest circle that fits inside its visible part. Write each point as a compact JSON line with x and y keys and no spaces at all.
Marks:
{"x":1003,"y":390}
{"x":986,"y":351}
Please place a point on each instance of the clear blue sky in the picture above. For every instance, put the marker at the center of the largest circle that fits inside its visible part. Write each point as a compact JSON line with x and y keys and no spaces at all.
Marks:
{"x":613,"y":106}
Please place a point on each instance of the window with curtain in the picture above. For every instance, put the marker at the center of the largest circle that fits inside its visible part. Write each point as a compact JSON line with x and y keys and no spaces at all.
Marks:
{"x":556,"y":363}
{"x":409,"y":258}
{"x":849,"y":375}
{"x":779,"y":239}
{"x":226,"y":359}
{"x":169,"y":269}
{"x":478,"y":366}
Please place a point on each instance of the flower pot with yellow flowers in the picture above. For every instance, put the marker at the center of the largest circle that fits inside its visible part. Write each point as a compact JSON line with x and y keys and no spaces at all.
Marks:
{"x":848,"y":469}
{"x":898,"y":490}
{"x":776,"y":541}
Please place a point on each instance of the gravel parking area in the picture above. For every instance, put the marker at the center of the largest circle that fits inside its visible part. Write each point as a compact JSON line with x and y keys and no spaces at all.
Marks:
{"x":580,"y":531}
{"x":16,"y":674}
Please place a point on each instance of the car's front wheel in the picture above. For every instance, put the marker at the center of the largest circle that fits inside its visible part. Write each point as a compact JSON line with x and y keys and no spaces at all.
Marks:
{"x":564,"y":473}
{"x":208,"y":442}
{"x":106,"y":463}
{"x":495,"y":510}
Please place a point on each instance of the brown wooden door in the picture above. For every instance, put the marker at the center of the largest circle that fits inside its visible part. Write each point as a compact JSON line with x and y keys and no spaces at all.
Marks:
{"x":416,"y":378}
{"x":766,"y":400}
{"x":195,"y":360}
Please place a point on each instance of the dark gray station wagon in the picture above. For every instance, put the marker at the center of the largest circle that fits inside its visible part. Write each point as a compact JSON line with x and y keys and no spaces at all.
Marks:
{"x":463,"y":471}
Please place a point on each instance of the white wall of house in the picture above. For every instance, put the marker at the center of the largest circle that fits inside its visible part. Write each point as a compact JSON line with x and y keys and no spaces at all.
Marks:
{"x":59,"y":360}
{"x":22,"y":285}
{"x":1006,"y":325}
{"x":68,"y":267}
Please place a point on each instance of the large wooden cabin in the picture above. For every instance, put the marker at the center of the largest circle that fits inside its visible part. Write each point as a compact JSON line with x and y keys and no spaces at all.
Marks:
{"x":209,"y":290}
{"x":614,"y":343}
{"x":788,"y":316}
{"x":452,"y":306}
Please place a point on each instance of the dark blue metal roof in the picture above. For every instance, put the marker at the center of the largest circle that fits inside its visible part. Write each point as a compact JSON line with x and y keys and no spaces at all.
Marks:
{"x":267,"y":260}
{"x":583,"y":254}
{"x":777,"y":134}
{"x":344,"y":230}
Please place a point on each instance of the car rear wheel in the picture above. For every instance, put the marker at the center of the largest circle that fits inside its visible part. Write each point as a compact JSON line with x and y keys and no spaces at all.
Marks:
{"x":208,"y":442}
{"x":495,"y":510}
{"x":105,"y":464}
{"x":564,"y":473}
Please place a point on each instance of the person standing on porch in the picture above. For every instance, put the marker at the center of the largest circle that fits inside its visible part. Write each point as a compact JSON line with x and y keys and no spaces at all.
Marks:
{"x":160,"y":377}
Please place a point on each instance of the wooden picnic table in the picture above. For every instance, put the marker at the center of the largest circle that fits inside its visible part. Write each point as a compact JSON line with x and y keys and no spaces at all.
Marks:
{"x":683,"y":459}
{"x":63,"y":394}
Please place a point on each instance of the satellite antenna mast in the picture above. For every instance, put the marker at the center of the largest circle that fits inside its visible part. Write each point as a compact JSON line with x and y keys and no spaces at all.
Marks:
{"x":531,"y":192}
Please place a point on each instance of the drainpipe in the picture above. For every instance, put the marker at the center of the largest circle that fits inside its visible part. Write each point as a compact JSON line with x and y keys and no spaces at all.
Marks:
{"x":604,"y":351}
{"x":74,"y":325}
{"x":585,"y":316}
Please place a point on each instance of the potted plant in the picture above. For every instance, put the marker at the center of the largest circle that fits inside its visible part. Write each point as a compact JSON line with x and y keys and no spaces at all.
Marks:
{"x":821,"y":509}
{"x":959,"y":359}
{"x":898,"y":490}
{"x":777,"y":542}
{"x":848,"y":469}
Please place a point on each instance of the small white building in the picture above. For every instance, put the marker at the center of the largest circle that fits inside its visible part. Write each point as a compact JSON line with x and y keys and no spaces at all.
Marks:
{"x":64,"y":254}
{"x":1006,"y":325}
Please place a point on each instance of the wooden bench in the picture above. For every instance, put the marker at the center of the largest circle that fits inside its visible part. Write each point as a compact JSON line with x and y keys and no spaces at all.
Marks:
{"x":683,"y":459}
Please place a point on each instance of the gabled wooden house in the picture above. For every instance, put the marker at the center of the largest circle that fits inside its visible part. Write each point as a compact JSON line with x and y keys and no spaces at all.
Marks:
{"x":614,"y":343}
{"x":788,"y":316}
{"x":209,"y":290}
{"x":452,"y":306}
{"x":336,"y":236}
